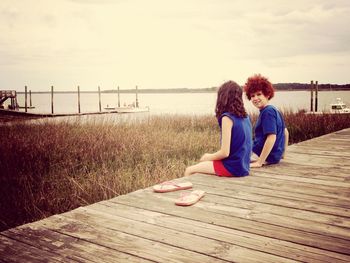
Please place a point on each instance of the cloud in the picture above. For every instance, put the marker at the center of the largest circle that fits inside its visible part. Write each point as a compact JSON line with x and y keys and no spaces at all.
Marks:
{"x":96,"y":2}
{"x":158,"y":42}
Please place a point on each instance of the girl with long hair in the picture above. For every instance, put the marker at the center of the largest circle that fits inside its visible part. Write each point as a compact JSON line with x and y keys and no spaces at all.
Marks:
{"x":233,"y":157}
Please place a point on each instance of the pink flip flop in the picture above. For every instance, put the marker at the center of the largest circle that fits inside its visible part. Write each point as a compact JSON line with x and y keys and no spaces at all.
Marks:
{"x":190,"y":198}
{"x":171,"y":186}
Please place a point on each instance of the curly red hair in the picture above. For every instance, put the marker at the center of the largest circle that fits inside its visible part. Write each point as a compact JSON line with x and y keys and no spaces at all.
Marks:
{"x":259,"y":83}
{"x":230,"y":100}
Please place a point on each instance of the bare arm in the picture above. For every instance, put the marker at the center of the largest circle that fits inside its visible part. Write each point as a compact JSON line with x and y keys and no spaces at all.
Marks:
{"x":224,"y":151}
{"x":286,"y":141}
{"x":268,"y":145}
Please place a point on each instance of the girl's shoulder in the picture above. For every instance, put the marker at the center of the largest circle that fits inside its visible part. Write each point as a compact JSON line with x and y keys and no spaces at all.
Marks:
{"x":269,"y":109}
{"x":234,"y":117}
{"x":229,"y":115}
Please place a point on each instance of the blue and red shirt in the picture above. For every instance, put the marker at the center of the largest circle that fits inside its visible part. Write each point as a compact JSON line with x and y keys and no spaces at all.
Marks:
{"x":270,"y":121}
{"x":237,"y":163}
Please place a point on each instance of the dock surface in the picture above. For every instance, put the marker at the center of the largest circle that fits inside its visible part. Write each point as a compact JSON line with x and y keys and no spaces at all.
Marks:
{"x":295,"y":211}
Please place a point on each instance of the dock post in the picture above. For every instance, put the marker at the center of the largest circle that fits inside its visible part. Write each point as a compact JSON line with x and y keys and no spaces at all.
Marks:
{"x":25,"y":99}
{"x":51,"y":99}
{"x":137,"y":101}
{"x":118,"y":98}
{"x":312,"y":96}
{"x":78,"y":99}
{"x":316,"y":96}
{"x":99,"y":98}
{"x":30,"y":98}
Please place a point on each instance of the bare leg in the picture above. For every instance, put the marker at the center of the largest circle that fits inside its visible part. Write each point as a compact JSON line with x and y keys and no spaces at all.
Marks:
{"x":206,"y":167}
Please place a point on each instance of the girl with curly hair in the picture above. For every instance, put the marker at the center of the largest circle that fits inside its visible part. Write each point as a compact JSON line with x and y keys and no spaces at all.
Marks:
{"x":271,"y":134}
{"x":233,"y":157}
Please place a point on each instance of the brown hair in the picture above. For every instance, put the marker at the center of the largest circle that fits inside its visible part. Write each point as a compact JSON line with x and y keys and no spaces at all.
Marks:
{"x":259,"y":83}
{"x":230,"y":100}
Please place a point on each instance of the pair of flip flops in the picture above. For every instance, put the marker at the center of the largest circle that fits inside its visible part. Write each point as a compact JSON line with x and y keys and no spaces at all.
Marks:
{"x":186,"y":199}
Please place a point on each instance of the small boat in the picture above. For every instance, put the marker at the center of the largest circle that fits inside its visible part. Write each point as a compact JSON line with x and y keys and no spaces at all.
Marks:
{"x":131,"y":108}
{"x":339,"y":107}
{"x":109,"y":108}
{"x":128,"y":109}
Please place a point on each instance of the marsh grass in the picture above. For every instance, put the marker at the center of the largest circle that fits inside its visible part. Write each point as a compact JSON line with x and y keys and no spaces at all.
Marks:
{"x":49,"y":168}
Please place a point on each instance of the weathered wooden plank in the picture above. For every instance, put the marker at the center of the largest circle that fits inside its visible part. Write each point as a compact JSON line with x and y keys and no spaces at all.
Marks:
{"x":252,"y":241}
{"x":278,"y":189}
{"x":331,"y":144}
{"x":328,"y":143}
{"x":12,"y":250}
{"x":319,"y":150}
{"x":224,"y":197}
{"x":251,"y":195}
{"x":339,"y":192}
{"x":315,"y":146}
{"x":320,"y":145}
{"x":333,"y":171}
{"x":342,"y":132}
{"x":175,"y":238}
{"x":269,"y":216}
{"x":335,"y":174}
{"x":339,"y":139}
{"x":288,"y":177}
{"x":317,"y":160}
{"x":123,"y":242}
{"x":204,"y":214}
{"x":37,"y":236}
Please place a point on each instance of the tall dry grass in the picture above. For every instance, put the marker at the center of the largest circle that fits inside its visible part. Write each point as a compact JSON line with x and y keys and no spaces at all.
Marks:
{"x":303,"y":126}
{"x":51,"y":168}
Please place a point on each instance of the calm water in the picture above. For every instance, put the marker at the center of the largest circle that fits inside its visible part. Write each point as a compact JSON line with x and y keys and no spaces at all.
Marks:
{"x":177,"y":103}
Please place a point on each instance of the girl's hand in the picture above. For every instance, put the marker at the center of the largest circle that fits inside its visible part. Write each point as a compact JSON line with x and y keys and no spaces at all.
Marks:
{"x":205,"y":157}
{"x":256,"y":164}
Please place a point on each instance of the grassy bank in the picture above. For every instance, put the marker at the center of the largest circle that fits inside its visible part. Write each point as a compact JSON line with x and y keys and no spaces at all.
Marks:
{"x":52,"y":168}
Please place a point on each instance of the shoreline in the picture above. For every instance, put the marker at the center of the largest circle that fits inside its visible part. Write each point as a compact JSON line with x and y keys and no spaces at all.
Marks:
{"x":172,"y":91}
{"x":160,"y":91}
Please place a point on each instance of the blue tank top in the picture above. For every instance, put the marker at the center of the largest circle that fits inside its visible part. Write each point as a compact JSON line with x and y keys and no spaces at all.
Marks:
{"x":238,"y":161}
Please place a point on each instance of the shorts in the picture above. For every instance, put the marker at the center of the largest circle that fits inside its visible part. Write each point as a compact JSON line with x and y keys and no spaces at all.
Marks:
{"x":220,"y":169}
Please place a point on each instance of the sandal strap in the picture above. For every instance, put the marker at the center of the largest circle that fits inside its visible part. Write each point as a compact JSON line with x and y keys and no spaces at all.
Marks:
{"x":168,"y":183}
{"x":184,"y":195}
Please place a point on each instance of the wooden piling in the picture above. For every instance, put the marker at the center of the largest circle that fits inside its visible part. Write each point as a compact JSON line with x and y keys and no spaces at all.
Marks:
{"x":118,"y":98}
{"x":78,"y":99}
{"x":137,"y":100}
{"x":25,"y":99}
{"x":312,"y":96}
{"x":52,"y":100}
{"x":99,"y":98}
{"x":30,"y":98}
{"x":316,"y":96}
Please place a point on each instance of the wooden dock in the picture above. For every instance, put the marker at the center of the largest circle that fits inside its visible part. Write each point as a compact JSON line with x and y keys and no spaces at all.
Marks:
{"x":296,"y":211}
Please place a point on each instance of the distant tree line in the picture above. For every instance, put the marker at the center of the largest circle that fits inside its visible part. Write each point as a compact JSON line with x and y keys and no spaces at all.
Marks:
{"x":178,"y":90}
{"x":302,"y":86}
{"x":278,"y":86}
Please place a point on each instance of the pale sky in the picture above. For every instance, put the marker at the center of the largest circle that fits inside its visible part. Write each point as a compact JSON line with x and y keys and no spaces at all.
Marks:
{"x":171,"y":43}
